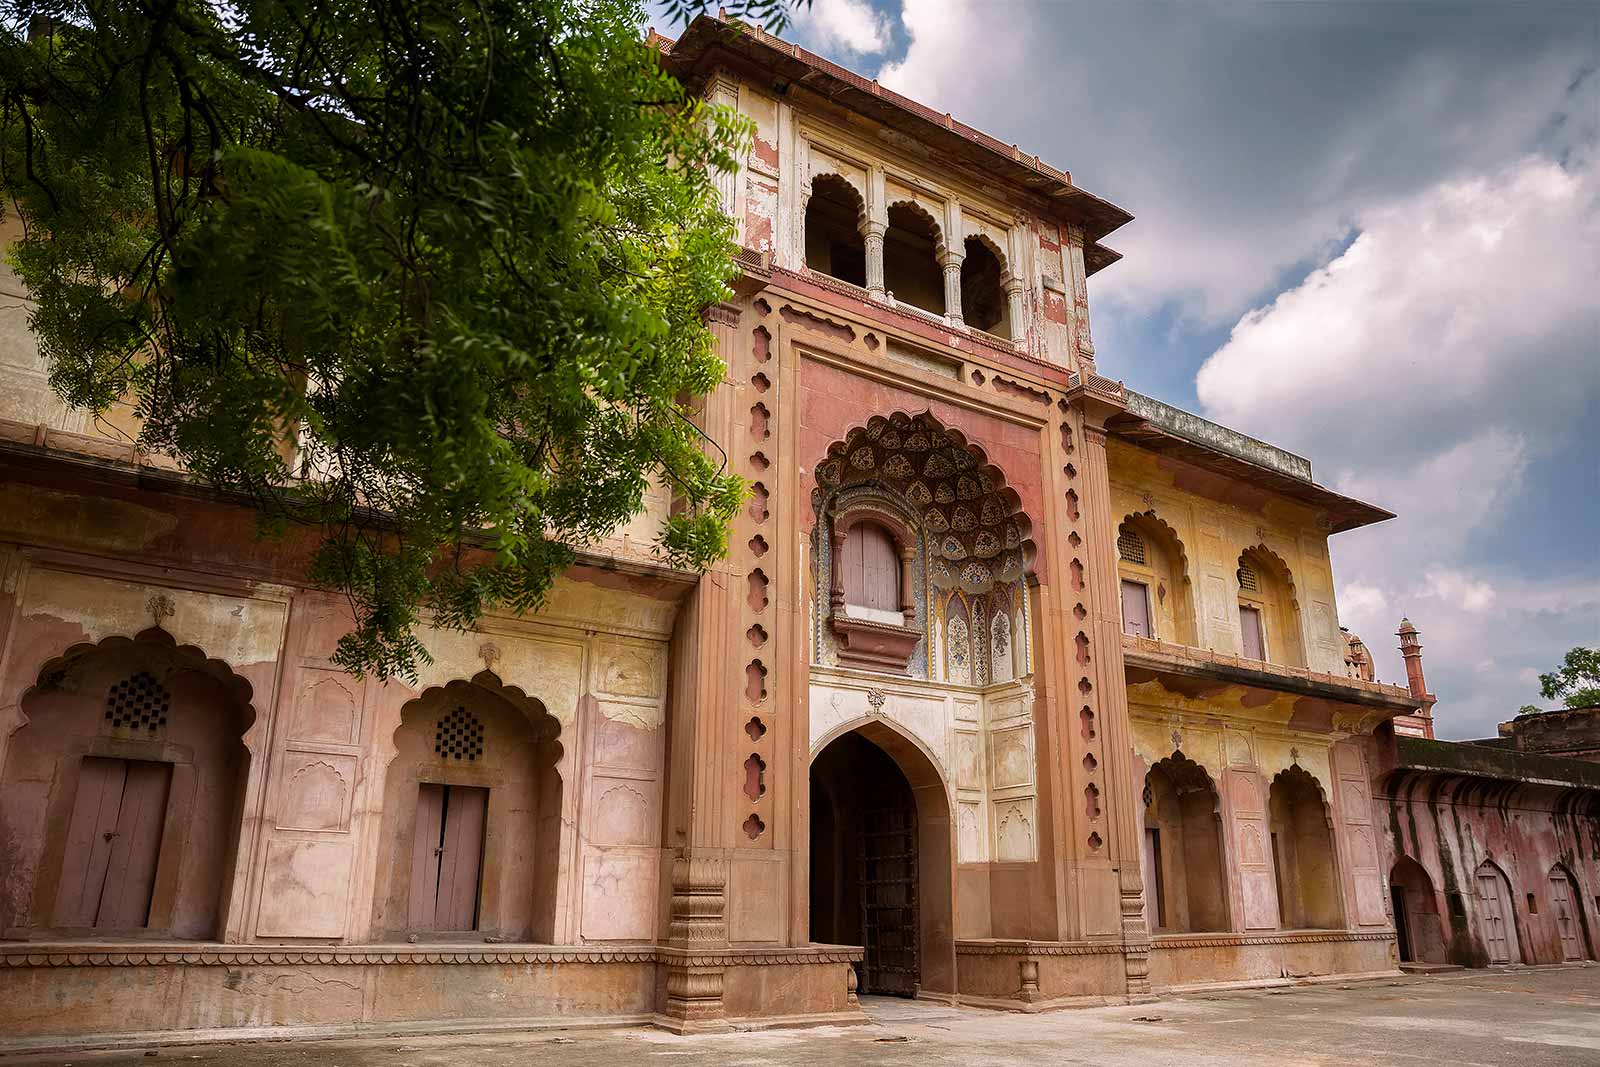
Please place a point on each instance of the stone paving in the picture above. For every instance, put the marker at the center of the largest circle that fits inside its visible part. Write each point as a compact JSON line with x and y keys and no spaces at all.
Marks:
{"x":1500,"y":1018}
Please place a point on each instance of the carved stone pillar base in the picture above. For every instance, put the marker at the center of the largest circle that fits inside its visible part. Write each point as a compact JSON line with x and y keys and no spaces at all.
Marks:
{"x":1029,"y":993}
{"x":699,"y":901}
{"x":1135,"y":944}
{"x":694,"y":996}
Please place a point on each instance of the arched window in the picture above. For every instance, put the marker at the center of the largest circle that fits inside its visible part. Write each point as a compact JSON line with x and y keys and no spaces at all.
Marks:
{"x":1302,"y":854}
{"x":834,"y":245}
{"x":911,"y":268}
{"x":1183,"y":868}
{"x":983,"y":299}
{"x":1269,"y":619}
{"x":872,"y":574}
{"x":1156,"y":598}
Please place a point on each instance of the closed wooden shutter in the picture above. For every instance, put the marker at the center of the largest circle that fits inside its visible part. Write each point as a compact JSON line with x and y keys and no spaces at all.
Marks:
{"x":871,"y":569}
{"x":447,"y":857}
{"x":1250,"y":631}
{"x":1136,"y":609}
{"x":113,"y":844}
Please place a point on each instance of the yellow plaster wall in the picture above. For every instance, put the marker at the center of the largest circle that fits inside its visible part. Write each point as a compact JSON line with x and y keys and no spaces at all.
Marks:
{"x":1214,"y":532}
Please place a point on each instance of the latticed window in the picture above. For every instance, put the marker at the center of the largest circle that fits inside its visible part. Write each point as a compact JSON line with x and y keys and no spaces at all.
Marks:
{"x":1247,"y":579}
{"x":1130,"y":546}
{"x":138,"y":704}
{"x":459,"y":736}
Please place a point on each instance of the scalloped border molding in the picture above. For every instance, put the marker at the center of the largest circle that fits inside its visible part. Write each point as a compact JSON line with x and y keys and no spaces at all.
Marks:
{"x":16,"y":956}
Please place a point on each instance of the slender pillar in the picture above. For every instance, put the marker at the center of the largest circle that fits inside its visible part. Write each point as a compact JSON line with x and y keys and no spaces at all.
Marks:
{"x":872,"y":231}
{"x":908,"y":600}
{"x":1013,"y":288}
{"x":951,"y":261}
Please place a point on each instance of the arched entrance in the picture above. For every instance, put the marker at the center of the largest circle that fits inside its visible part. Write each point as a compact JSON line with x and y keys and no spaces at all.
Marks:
{"x":881,"y":862}
{"x":1417,"y":926}
{"x":1495,"y":910}
{"x":1564,"y":898}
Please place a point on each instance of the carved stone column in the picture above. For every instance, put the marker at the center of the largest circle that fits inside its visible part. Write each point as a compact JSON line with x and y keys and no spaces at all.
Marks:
{"x":836,"y":572}
{"x":908,"y":598}
{"x":951,"y":261}
{"x":872,"y":232}
{"x":1013,"y":287}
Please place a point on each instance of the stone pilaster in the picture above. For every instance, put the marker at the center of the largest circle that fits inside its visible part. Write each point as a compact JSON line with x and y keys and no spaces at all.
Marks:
{"x":703,"y":706}
{"x":1098,"y":553}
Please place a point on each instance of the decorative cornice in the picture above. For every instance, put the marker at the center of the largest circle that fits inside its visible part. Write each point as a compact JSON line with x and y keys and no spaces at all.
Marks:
{"x":1281,"y":937}
{"x":267,"y":956}
{"x":1039,"y":948}
{"x":88,"y":955}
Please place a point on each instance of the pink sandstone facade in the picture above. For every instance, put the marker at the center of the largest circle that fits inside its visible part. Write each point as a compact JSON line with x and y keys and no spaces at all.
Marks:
{"x":1018,"y":689}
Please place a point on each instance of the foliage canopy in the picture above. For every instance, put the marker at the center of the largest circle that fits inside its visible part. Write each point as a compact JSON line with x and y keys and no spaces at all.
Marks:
{"x":425,"y":275}
{"x":1576,"y":683}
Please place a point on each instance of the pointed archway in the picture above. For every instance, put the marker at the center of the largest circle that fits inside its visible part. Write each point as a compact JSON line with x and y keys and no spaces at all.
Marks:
{"x":882,"y":862}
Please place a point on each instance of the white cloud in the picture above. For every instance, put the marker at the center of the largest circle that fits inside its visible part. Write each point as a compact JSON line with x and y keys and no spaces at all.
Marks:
{"x":1246,"y":139}
{"x":1434,"y":361}
{"x":849,"y":26}
{"x":1455,"y":310}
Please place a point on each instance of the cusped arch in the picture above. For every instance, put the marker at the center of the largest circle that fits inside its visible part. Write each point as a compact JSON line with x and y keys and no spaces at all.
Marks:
{"x":1295,"y":774}
{"x":53,"y":668}
{"x":964,"y":506}
{"x":840,"y":182}
{"x":915,"y":208}
{"x":546,"y":727}
{"x":1150,"y":520}
{"x":1187,"y":775}
{"x":994,"y":249}
{"x":1279,"y":565}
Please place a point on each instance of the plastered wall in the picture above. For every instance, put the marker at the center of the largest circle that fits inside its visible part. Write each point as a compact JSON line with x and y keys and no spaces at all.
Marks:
{"x":1215,"y":519}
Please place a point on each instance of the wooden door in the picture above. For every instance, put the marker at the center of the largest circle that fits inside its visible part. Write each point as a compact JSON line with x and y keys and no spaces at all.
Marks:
{"x":1255,"y":645}
{"x":1155,"y":904}
{"x":108,"y":870}
{"x":1566,"y":921}
{"x":1495,"y":902}
{"x":447,"y":857}
{"x":1402,"y":924}
{"x":889,"y":927}
{"x":1136,"y":609}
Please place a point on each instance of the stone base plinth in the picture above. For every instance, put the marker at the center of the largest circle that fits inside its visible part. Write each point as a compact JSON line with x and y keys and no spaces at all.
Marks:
{"x":1040,"y":975}
{"x":96,"y":994}
{"x":1180,"y":962}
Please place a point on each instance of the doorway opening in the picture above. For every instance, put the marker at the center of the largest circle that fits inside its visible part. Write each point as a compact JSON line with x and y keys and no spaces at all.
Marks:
{"x":881,"y":875}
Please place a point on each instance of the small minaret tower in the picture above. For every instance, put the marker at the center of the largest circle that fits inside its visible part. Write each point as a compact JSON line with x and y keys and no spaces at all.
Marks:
{"x":1421,"y":723}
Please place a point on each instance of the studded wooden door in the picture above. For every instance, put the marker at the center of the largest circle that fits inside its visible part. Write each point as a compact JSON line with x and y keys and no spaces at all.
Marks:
{"x":108,"y":870}
{"x":889,"y":900}
{"x":1566,"y":921}
{"x":447,"y":858}
{"x":1496,"y":907}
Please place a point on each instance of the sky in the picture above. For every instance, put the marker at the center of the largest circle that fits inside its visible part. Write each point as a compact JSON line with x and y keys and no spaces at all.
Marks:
{"x":1365,"y":232}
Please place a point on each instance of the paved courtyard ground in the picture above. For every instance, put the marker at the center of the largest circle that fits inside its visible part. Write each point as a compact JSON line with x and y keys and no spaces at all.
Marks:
{"x":1515,"y":1018}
